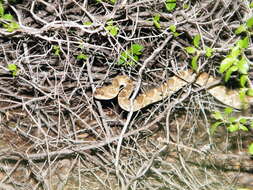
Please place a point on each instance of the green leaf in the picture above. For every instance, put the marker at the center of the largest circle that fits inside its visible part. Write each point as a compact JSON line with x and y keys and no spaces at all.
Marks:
{"x":170,"y":5}
{"x":250,"y":149}
{"x":113,"y":1}
{"x":243,"y":120}
{"x":157,"y":24}
{"x":87,"y":23}
{"x":156,"y":17}
{"x":109,"y":22}
{"x":186,"y":6}
{"x":196,"y":40}
{"x":194,"y":63}
{"x":82,"y":56}
{"x":209,"y":51}
{"x":1,"y":10}
{"x":228,"y":110}
{"x":240,"y":29}
{"x":136,"y":49}
{"x":243,"y":66}
{"x":235,"y":51}
{"x":226,"y":64}
{"x":217,"y":115}
{"x":244,"y":43}
{"x":125,"y":55}
{"x":8,"y":17}
{"x":251,"y":5}
{"x":12,"y":67}
{"x":173,"y":28}
{"x":249,"y":22}
{"x":251,"y":124}
{"x":176,"y":34}
{"x":229,"y":72}
{"x":12,"y":26}
{"x":243,"y":128}
{"x":114,"y":30}
{"x":233,"y":128}
{"x":135,"y":58}
{"x":242,"y":94}
{"x":130,"y":63}
{"x":191,"y":49}
{"x":231,"y":119}
{"x":214,"y":126}
{"x":121,"y":61}
{"x":243,"y":80}
{"x":57,"y":50}
{"x":250,"y":92}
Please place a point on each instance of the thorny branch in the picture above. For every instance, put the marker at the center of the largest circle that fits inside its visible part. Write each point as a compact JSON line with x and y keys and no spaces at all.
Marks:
{"x":47,"y":111}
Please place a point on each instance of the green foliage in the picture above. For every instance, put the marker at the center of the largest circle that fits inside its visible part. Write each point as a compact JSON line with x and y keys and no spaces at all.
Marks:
{"x":195,"y":50}
{"x":249,"y":22}
{"x":112,"y":29}
{"x":82,"y":56}
{"x":156,"y":21}
{"x":236,"y":61}
{"x":110,"y":1}
{"x":1,"y":10}
{"x":7,"y":20}
{"x":57,"y":50}
{"x":232,"y":124}
{"x":170,"y":5}
{"x":194,"y":63}
{"x":229,"y":72}
{"x":245,"y":27}
{"x":13,"y":69}
{"x":196,"y":40}
{"x":186,"y":6}
{"x":191,"y":49}
{"x":87,"y":23}
{"x":209,"y":52}
{"x":250,"y":149}
{"x":243,"y":43}
{"x":240,"y":29}
{"x":173,"y":29}
{"x":131,"y":55}
{"x":249,"y":92}
{"x":251,"y":5}
{"x":243,"y":80}
{"x":136,"y":49}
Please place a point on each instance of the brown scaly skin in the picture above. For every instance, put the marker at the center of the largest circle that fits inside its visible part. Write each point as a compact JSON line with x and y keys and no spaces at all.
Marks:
{"x":226,"y":96}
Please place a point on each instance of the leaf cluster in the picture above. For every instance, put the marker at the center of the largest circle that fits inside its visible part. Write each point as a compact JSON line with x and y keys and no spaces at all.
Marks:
{"x":131,"y":55}
{"x":112,"y":29}
{"x":236,"y":61}
{"x":56,"y":50}
{"x":195,"y":50}
{"x":13,"y":69}
{"x":231,"y":123}
{"x":7,"y":21}
{"x":170,"y":5}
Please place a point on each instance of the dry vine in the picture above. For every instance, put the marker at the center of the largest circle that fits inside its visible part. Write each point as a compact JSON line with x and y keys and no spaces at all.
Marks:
{"x":56,"y":136}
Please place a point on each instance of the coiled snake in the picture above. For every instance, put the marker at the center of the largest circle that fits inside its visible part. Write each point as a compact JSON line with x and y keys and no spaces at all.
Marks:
{"x":227,"y":96}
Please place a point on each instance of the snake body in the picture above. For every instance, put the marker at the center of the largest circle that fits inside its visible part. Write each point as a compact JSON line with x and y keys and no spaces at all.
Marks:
{"x":122,"y":86}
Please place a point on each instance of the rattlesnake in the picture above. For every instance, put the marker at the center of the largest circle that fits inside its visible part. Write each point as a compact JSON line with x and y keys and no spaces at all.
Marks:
{"x":123,"y":86}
